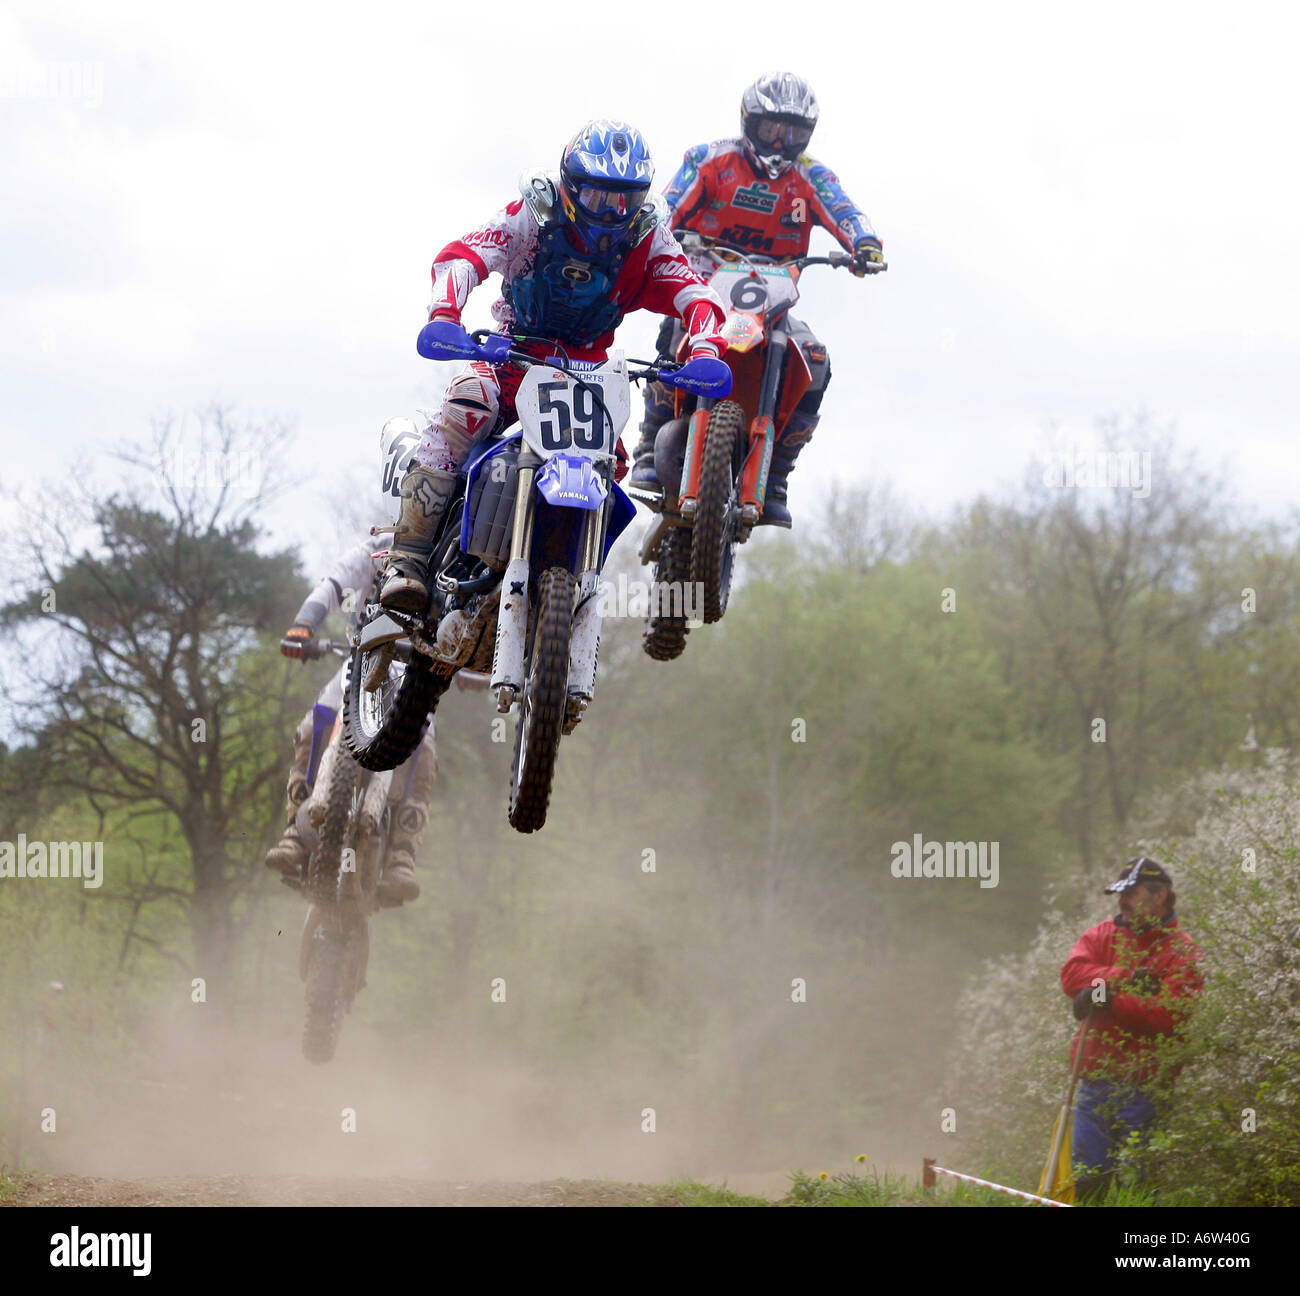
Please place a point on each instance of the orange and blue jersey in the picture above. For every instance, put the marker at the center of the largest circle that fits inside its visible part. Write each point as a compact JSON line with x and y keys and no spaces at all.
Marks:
{"x":720,"y":194}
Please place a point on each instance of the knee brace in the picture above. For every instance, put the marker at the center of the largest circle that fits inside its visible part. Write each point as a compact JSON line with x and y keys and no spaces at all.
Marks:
{"x":409,"y":820}
{"x":469,"y":411}
{"x":295,"y":793}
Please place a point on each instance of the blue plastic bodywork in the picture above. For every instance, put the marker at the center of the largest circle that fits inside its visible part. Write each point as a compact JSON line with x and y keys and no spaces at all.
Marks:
{"x":322,"y":722}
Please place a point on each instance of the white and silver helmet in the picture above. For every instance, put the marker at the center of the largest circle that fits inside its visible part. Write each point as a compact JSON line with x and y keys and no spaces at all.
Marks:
{"x":777,"y":115}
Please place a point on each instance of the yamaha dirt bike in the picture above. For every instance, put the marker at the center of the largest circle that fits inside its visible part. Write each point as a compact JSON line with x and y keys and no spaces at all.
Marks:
{"x":515,"y":566}
{"x":712,"y":458}
{"x":345,"y":824}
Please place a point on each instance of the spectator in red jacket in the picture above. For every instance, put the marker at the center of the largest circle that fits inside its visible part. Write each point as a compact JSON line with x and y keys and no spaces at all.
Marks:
{"x":1133,"y":978}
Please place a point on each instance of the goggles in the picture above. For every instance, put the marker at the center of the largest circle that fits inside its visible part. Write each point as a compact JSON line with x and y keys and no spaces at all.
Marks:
{"x":783,"y":135}
{"x":611,"y":206}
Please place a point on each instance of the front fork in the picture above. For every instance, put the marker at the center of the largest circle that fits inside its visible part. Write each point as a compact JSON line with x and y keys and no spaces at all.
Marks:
{"x":512,"y":617}
{"x":584,"y":638}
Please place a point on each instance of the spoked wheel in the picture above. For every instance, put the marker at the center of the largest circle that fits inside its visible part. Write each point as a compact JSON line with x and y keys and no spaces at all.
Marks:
{"x":331,"y":981}
{"x":541,"y":709}
{"x":323,"y":867}
{"x":664,"y":637}
{"x":382,"y":728}
{"x":717,"y":519}
{"x":330,"y":956}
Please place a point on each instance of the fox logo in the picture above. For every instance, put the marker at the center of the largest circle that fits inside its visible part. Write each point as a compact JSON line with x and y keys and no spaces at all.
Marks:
{"x":429,"y":500}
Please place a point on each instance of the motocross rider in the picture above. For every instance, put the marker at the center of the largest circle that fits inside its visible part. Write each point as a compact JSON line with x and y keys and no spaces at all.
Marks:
{"x":354,"y":575}
{"x":762,"y":193}
{"x":579,"y":250}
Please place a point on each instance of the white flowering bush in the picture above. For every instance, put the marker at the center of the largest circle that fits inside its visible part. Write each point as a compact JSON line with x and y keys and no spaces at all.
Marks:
{"x":1229,"y":1132}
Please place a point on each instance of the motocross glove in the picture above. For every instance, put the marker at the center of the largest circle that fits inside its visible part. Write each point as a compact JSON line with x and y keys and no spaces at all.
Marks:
{"x":1144,"y":981}
{"x":1083,"y":1002}
{"x":868,"y":257}
{"x":295,"y":641}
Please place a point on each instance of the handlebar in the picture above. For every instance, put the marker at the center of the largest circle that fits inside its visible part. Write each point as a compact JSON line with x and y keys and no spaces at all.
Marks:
{"x":315,"y":649}
{"x":721,"y":255}
{"x":443,"y":340}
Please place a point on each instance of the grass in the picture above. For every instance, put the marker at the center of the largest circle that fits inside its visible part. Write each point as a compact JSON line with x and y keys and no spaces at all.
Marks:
{"x":863,"y":1186}
{"x":867,"y":1186}
{"x":687,"y":1192}
{"x":9,"y":1183}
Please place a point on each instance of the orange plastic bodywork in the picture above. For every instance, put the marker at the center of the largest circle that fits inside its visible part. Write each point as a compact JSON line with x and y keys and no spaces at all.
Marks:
{"x":747,"y":346}
{"x":746,"y":371}
{"x":742,"y":331}
{"x":798,"y":378}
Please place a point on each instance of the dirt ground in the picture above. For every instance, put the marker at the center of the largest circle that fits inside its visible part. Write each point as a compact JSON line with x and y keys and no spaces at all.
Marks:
{"x":301,"y":1190}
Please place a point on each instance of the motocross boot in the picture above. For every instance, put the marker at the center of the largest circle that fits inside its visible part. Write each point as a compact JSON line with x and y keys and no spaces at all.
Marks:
{"x":289,"y":856}
{"x":397,"y":883}
{"x":658,"y":410}
{"x":425,"y":495}
{"x":796,"y":434}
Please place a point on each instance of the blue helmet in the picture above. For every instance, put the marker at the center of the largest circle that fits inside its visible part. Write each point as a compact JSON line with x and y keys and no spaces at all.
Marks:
{"x":605,"y":174}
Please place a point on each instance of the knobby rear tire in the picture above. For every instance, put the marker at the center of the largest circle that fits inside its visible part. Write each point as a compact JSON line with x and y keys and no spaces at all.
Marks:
{"x":385,"y":744}
{"x":330,"y":970}
{"x":664,"y":637}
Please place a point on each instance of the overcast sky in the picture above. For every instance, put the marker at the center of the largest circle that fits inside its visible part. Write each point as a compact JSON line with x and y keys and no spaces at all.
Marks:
{"x":1086,"y":208}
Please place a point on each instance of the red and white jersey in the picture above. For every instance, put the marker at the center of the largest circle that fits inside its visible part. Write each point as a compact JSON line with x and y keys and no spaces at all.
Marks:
{"x":653,"y":276}
{"x":719,"y":192}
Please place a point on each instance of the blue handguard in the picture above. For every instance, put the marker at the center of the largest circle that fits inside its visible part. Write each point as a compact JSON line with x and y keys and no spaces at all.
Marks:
{"x":703,"y":376}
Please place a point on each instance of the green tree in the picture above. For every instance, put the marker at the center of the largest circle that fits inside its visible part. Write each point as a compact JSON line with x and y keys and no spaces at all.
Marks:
{"x":145,"y":689}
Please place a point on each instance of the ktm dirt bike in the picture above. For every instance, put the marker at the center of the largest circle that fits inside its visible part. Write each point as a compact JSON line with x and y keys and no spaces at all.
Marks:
{"x":712,"y":458}
{"x":515,"y":566}
{"x":345,"y":824}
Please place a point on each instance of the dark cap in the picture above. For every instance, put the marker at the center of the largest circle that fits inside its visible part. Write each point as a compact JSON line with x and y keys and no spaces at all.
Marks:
{"x":1140,"y":870}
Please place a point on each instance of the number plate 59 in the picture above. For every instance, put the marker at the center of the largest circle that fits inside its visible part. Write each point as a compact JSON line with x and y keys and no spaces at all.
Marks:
{"x":579,"y":413}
